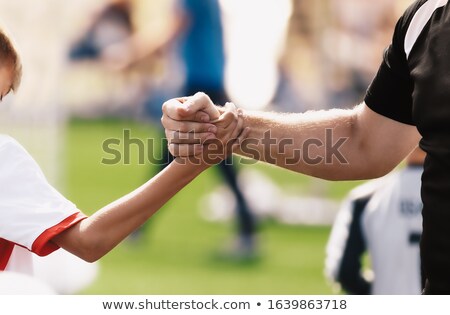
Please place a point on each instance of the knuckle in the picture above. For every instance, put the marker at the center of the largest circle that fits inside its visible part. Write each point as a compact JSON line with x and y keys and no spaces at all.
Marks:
{"x":200,"y":95}
{"x":179,"y":113}
{"x":167,"y":105}
{"x":164,"y":106}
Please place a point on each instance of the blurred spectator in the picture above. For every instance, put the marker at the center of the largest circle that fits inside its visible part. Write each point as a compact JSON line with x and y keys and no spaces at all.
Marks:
{"x":112,"y":24}
{"x":200,"y":48}
{"x":383,"y":218}
{"x":99,"y":53}
{"x":352,"y":43}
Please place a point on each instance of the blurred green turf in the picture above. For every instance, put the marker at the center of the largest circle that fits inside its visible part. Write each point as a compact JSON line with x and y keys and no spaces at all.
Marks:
{"x":179,"y":251}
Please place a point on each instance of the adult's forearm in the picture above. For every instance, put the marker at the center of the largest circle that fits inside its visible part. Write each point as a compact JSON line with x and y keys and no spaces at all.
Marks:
{"x":325,"y":144}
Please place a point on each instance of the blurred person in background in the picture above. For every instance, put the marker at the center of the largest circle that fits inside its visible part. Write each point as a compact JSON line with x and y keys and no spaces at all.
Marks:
{"x":202,"y":52}
{"x":351,"y":45}
{"x":97,"y":56}
{"x":382,"y":218}
{"x":193,"y":39}
{"x":111,"y":24}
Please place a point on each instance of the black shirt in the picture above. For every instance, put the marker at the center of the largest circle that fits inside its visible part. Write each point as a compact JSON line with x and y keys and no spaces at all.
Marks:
{"x":412,"y":86}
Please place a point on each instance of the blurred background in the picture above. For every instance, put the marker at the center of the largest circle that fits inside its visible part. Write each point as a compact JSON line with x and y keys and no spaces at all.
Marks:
{"x":95,"y":68}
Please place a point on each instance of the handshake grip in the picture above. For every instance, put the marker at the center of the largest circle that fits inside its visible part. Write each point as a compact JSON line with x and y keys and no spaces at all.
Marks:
{"x":195,"y":127}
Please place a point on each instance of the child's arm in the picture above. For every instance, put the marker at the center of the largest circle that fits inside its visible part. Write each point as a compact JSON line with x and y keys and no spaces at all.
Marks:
{"x":95,"y":236}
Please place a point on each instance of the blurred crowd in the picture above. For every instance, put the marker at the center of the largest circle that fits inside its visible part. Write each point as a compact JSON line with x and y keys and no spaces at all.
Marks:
{"x":292,"y":55}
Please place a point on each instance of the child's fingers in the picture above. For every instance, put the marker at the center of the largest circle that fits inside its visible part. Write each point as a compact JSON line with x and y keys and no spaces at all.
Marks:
{"x":228,"y":107}
{"x":244,"y":135}
{"x":226,"y":119}
{"x":238,"y":129}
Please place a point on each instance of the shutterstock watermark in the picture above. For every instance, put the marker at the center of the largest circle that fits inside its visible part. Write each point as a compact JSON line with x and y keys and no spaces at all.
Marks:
{"x":131,"y":150}
{"x":288,"y":151}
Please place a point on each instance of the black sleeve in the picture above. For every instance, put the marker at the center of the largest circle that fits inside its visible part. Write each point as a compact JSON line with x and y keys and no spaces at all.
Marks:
{"x":349,"y":274}
{"x":390,"y":93}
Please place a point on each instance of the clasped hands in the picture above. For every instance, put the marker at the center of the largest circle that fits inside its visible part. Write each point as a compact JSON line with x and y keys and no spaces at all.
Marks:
{"x":197,"y":129}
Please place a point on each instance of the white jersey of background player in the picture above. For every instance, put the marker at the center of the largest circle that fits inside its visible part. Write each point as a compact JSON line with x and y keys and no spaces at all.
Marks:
{"x":383,"y":218}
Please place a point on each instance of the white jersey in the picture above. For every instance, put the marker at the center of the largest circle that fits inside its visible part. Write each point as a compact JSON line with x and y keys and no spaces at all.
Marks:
{"x":31,"y":210}
{"x":382,"y":217}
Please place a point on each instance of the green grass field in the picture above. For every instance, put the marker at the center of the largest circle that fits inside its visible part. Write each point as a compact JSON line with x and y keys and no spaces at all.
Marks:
{"x":179,"y":251}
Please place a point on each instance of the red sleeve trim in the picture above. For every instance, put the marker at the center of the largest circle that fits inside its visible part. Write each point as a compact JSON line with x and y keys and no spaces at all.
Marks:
{"x":43,"y":245}
{"x":6,"y":248}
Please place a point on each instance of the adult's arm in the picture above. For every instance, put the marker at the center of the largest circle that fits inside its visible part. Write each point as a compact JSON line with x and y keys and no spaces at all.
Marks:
{"x":334,"y":144}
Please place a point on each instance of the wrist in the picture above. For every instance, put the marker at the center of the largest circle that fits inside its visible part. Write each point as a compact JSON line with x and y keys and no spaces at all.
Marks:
{"x":193,"y":164}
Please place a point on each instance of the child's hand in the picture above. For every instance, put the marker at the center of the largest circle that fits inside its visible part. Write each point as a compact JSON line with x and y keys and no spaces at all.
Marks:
{"x":187,"y":124}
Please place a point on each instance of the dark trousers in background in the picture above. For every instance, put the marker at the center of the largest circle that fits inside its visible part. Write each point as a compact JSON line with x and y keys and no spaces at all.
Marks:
{"x":245,"y":221}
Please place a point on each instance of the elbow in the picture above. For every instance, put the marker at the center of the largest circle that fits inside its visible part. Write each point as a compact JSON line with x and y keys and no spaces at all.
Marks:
{"x":90,"y":248}
{"x":84,"y":243}
{"x":368,"y":170}
{"x":91,"y":257}
{"x":370,"y":160}
{"x":380,"y":171}
{"x":373,"y":165}
{"x":89,"y":253}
